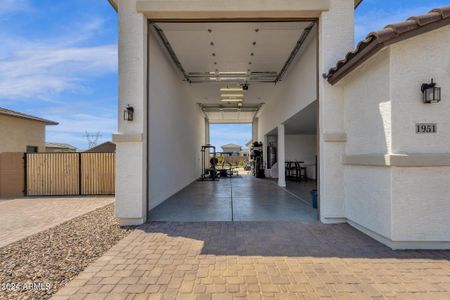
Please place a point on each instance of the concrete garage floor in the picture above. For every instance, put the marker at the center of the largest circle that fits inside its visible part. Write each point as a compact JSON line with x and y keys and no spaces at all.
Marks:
{"x":243,"y":198}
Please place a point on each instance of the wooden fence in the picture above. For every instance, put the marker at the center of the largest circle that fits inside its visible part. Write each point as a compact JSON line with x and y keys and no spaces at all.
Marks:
{"x":60,"y":174}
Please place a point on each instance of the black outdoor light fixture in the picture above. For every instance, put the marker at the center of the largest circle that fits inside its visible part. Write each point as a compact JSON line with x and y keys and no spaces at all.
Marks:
{"x":128,"y":113}
{"x":431,"y":93}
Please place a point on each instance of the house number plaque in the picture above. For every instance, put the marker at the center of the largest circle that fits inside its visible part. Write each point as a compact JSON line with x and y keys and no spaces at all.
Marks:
{"x":426,"y":128}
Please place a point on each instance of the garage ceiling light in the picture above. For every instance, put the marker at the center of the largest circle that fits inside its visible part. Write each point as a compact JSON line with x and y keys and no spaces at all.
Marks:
{"x":232,"y":100}
{"x":232,"y":89}
{"x":232,"y":95}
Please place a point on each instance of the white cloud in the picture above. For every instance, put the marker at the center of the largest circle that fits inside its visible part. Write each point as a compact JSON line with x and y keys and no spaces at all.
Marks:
{"x":14,"y":6}
{"x":75,"y":120}
{"x":42,"y":72}
{"x":46,"y":66}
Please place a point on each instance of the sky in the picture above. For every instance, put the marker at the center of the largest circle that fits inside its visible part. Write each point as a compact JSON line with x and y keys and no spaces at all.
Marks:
{"x":58,"y":60}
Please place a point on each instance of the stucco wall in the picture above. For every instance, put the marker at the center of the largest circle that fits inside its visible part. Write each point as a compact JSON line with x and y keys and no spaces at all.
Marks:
{"x":16,"y":134}
{"x":416,"y":61}
{"x":408,"y":205}
{"x":367,"y":108}
{"x":421,"y":196}
{"x":301,"y":147}
{"x":176,"y":129}
{"x":368,"y":198}
{"x":367,"y":111}
{"x":336,"y":38}
{"x":296,"y":91}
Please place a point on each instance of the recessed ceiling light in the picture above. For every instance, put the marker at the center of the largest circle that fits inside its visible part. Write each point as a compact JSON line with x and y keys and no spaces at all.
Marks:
{"x":249,"y":62}
{"x":209,"y":30}
{"x":254,"y":43}
{"x":232,"y":100}
{"x":231,"y":89}
{"x":212,"y":43}
{"x":252,"y":54}
{"x":215,"y":62}
{"x":213,"y":54}
{"x":232,"y":95}
{"x":257,"y":29}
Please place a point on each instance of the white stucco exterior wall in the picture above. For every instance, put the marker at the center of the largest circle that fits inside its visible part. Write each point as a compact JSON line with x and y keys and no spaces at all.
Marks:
{"x":131,"y":152}
{"x":405,"y":205}
{"x":421,"y":196}
{"x":336,"y":38}
{"x":176,"y":128}
{"x":413,"y":62}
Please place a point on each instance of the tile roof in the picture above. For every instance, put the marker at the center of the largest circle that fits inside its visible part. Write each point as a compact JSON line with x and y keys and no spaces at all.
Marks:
{"x":12,"y":113}
{"x":391,"y":34}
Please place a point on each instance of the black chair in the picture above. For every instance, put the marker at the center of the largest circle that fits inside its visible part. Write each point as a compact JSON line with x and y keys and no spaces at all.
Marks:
{"x":302,"y":172}
{"x":290,"y":170}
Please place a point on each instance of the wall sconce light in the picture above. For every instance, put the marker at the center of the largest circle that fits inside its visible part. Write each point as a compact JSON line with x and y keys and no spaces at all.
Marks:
{"x":431,"y":93}
{"x":128,"y":113}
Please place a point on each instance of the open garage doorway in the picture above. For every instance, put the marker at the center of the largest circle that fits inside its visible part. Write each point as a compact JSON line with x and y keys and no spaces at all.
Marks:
{"x":202,"y":74}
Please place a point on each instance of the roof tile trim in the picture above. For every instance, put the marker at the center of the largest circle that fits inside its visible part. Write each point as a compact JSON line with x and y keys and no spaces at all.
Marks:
{"x":392,"y":33}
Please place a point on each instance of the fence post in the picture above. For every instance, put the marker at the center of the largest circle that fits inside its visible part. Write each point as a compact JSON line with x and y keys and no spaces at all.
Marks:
{"x":79,"y":173}
{"x":25,"y":175}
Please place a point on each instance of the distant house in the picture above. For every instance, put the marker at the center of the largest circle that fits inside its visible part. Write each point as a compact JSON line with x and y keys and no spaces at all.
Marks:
{"x":20,"y":132}
{"x":59,"y":147}
{"x":106,"y":147}
{"x":233,"y":148}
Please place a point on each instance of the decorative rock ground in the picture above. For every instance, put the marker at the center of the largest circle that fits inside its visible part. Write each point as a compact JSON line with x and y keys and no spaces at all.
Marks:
{"x":37,"y":266}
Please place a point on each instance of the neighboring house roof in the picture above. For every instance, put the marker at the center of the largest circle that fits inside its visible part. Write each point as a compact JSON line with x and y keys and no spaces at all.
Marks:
{"x":60,"y":146}
{"x":104,"y":147}
{"x":375,"y":41}
{"x":12,"y":113}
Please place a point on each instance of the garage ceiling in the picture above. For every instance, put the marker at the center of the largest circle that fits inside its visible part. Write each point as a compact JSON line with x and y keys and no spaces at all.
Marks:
{"x":212,"y":56}
{"x":232,"y":51}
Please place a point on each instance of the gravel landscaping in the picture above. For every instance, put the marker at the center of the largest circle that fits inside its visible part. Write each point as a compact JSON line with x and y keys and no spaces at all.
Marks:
{"x":37,"y":266}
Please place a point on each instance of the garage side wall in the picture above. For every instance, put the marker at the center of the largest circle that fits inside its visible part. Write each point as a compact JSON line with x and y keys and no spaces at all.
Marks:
{"x":176,"y":128}
{"x":296,"y":91}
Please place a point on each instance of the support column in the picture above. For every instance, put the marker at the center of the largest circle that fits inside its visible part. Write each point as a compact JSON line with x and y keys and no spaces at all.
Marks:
{"x":131,"y":138}
{"x":281,"y":156}
{"x":334,"y":43}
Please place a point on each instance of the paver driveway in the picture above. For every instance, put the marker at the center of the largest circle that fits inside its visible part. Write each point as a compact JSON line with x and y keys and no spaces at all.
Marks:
{"x":259,"y":260}
{"x":23,"y":217}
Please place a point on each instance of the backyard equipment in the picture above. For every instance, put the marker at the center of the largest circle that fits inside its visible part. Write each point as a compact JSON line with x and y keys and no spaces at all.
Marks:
{"x":209,"y":172}
{"x":258,"y":161}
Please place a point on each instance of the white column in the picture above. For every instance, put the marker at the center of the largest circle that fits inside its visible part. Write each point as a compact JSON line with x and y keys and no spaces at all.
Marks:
{"x":281,"y":156}
{"x":131,"y":154}
{"x":336,"y":36}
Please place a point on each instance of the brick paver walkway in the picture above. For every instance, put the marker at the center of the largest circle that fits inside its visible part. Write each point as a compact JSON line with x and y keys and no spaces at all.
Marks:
{"x":259,"y":260}
{"x":23,"y":217}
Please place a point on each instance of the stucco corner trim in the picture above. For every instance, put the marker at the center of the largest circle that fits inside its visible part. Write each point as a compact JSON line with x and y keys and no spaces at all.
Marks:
{"x":127,"y":138}
{"x":335,"y":137}
{"x":401,"y":245}
{"x":399,"y":160}
{"x":367,"y":160}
